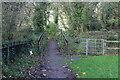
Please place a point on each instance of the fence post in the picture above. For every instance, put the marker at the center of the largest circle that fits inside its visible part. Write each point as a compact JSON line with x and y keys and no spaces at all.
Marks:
{"x":38,"y":45}
{"x":8,"y":54}
{"x":87,"y":47}
{"x":95,"y":46}
{"x":103,"y":47}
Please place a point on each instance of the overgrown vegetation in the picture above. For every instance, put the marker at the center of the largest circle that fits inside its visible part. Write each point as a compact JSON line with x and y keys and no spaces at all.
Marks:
{"x":19,"y":25}
{"x":26,"y":21}
{"x":40,"y":16}
{"x":91,"y":16}
{"x":16,"y":21}
{"x":20,"y":67}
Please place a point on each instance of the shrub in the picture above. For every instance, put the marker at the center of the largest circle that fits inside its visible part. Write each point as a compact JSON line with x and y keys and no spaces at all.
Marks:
{"x":112,"y":37}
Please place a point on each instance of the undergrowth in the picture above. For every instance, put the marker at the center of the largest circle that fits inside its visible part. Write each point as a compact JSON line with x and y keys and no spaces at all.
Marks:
{"x":19,"y":67}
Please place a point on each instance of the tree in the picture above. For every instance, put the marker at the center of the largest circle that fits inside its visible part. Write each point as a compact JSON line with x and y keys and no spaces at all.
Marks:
{"x":39,"y":17}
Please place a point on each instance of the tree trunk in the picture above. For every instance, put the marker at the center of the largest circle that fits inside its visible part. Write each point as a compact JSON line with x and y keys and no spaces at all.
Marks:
{"x":82,"y":28}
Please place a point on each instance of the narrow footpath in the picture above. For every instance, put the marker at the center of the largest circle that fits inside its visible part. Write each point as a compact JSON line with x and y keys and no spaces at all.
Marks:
{"x":52,"y":65}
{"x":55,"y":63}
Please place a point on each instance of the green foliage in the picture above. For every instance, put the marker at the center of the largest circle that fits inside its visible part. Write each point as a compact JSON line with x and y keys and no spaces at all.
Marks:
{"x":39,"y":17}
{"x":81,"y":17}
{"x":16,"y":20}
{"x":74,"y":45}
{"x":103,"y":30}
{"x":112,"y":37}
{"x":42,"y":46}
{"x":61,"y":45}
{"x":91,"y":16}
{"x":20,"y":66}
{"x":56,"y":16}
{"x":113,"y":20}
{"x":52,"y":31}
{"x":96,"y":67}
{"x":5,"y":69}
{"x":111,"y":44}
{"x":53,"y":25}
{"x":25,"y":34}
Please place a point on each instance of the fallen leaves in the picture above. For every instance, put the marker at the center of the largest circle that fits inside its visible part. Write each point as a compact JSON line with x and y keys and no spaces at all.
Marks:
{"x":83,"y":72}
{"x":44,"y":74}
{"x":44,"y":70}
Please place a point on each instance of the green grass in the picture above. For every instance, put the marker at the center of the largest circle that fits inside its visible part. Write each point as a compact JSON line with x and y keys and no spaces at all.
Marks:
{"x":96,"y":67}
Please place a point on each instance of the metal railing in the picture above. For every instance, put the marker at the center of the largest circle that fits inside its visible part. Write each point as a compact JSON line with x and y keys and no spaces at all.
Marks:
{"x":42,"y":34}
{"x":40,"y":39}
{"x":12,"y":49}
{"x":92,"y":46}
{"x":99,"y":46}
{"x":65,"y":39}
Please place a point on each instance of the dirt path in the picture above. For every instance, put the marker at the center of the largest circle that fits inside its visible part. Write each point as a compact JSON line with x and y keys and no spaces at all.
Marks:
{"x":55,"y":63}
{"x":52,"y":65}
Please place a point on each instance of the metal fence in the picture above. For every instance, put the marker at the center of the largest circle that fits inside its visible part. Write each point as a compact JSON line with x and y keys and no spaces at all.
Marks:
{"x":40,"y":39}
{"x":65,"y":39}
{"x":92,"y":46}
{"x":12,"y":49}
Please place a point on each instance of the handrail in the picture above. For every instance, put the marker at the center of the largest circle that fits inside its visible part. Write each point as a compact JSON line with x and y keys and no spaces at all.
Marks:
{"x":65,"y":39}
{"x":41,"y":36}
{"x":39,"y":39}
{"x":14,"y":43}
{"x":11,"y":49}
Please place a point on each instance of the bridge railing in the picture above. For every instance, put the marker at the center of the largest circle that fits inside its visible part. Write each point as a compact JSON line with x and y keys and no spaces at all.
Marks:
{"x":12,"y":49}
{"x":40,"y":39}
{"x":43,"y":33}
{"x":65,"y":39}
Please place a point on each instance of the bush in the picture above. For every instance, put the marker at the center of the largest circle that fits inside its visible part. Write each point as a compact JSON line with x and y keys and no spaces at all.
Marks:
{"x":103,"y":30}
{"x":52,"y":25}
{"x":5,"y":70}
{"x":51,"y":31}
{"x":112,"y":37}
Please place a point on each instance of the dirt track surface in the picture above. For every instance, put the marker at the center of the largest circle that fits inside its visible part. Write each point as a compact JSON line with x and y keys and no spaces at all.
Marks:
{"x":55,"y":64}
{"x":52,"y":65}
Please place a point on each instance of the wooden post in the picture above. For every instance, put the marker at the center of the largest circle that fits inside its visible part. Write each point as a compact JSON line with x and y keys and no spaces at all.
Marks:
{"x":87,"y":47}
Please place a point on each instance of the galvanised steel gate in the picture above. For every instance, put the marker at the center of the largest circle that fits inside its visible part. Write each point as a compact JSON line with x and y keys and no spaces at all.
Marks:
{"x":92,"y":46}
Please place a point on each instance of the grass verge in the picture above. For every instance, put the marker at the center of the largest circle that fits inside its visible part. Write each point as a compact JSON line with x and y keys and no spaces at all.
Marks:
{"x":96,"y":67}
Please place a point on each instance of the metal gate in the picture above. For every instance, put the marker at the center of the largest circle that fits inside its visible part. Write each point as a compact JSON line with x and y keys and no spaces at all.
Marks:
{"x":92,"y":46}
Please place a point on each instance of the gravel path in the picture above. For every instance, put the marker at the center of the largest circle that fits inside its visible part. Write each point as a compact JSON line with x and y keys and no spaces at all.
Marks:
{"x":55,"y":64}
{"x":52,"y":65}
